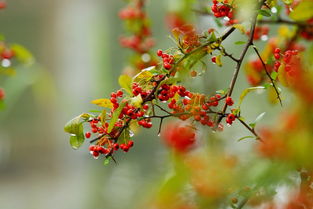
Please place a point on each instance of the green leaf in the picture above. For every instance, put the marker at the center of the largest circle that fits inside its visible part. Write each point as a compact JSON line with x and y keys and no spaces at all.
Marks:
{"x":136,"y":101}
{"x":125,"y":82}
{"x":77,"y":140}
{"x":274,"y":75}
{"x":212,"y":38}
{"x":103,"y":116}
{"x":247,"y":91}
{"x":144,"y":77}
{"x":76,"y":129}
{"x":221,"y":91}
{"x":22,"y":54}
{"x":125,"y":136}
{"x":106,"y":160}
{"x":252,"y":125}
{"x":303,"y":11}
{"x":73,"y":126}
{"x":264,"y":13}
{"x":240,"y":42}
{"x":245,"y":137}
{"x":115,"y":115}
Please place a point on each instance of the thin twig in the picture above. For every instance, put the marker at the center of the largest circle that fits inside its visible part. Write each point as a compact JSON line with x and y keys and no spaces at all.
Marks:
{"x":249,"y":128}
{"x":239,"y":62}
{"x":227,"y":54}
{"x":268,"y":75}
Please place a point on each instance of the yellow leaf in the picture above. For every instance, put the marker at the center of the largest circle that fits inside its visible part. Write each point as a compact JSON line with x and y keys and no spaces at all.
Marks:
{"x":240,"y":27}
{"x":125,"y":82}
{"x":102,"y":103}
{"x":272,"y":95}
{"x":282,"y":75}
{"x":103,"y":116}
{"x":303,"y":11}
{"x":136,"y":101}
{"x":144,"y":76}
{"x":219,"y":61}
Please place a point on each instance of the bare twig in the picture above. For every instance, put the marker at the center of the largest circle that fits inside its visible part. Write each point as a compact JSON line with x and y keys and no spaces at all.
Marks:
{"x":249,"y":128}
{"x":268,"y":75}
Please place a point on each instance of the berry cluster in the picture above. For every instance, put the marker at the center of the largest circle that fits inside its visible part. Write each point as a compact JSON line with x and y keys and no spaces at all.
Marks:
{"x":307,"y":32}
{"x":137,"y":44}
{"x":223,"y":9}
{"x":187,"y":37}
{"x":179,"y":136}
{"x":139,"y":40}
{"x":167,"y":59}
{"x":137,"y":90}
{"x":287,"y":59}
{"x":96,"y":150}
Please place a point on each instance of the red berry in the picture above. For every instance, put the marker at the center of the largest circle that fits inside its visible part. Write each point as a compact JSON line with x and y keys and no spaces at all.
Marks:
{"x":159,"y":52}
{"x":277,"y":50}
{"x":87,"y":135}
{"x":115,"y":146}
{"x":92,"y":148}
{"x":7,"y":54}
{"x":229,"y":101}
{"x":214,"y":59}
{"x":119,"y":93}
{"x":277,"y":56}
{"x":2,"y":94}
{"x":95,"y":154}
{"x":167,"y":65}
{"x":2,"y":5}
{"x":130,"y":143}
{"x":113,"y":100}
{"x":145,"y":106}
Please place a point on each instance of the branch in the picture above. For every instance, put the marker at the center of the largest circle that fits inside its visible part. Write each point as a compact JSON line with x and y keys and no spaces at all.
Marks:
{"x":239,"y":62}
{"x":285,"y":21}
{"x":268,"y":75}
{"x":150,"y":97}
{"x":279,"y":20}
{"x":223,"y":51}
{"x":249,"y":128}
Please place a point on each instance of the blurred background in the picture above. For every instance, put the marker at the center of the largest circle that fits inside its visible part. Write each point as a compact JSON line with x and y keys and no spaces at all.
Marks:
{"x":78,"y":59}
